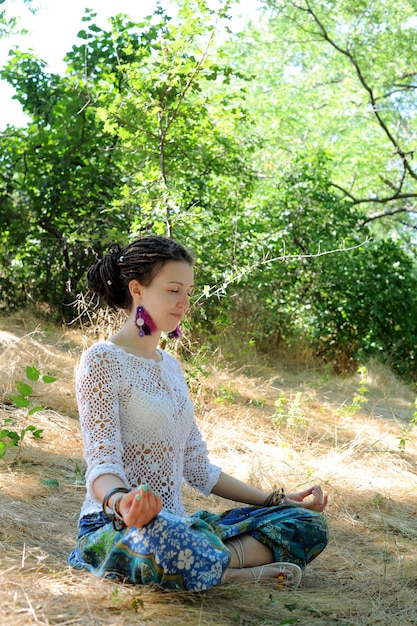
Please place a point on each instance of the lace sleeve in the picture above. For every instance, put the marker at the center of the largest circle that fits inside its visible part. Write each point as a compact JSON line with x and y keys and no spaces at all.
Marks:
{"x":98,"y":403}
{"x":199,"y":472}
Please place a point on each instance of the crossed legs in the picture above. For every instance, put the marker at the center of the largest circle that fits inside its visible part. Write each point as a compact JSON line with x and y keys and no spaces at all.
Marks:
{"x":251,"y":559}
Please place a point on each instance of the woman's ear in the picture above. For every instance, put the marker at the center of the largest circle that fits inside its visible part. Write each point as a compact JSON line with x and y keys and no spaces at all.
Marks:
{"x":135,"y":289}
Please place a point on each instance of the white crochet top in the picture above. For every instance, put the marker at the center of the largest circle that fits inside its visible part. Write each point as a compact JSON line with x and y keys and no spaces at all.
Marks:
{"x":138,"y":422}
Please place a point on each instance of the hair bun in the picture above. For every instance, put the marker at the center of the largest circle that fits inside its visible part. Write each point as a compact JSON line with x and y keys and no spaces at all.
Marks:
{"x":103,"y":278}
{"x":115,"y":251}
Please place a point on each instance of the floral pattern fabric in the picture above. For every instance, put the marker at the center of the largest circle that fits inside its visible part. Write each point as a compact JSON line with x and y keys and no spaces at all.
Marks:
{"x":176,"y":552}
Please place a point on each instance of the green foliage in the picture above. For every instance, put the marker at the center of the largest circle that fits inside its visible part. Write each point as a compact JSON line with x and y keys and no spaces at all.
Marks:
{"x":50,"y":482}
{"x":14,"y":437}
{"x":291,"y":179}
{"x":140,"y":135}
{"x":349,"y":305}
{"x":359,"y":399}
{"x":289,"y":411}
{"x":7,"y":24}
{"x":77,"y":477}
{"x":335,"y":67}
{"x":407,"y":431}
{"x":366,"y":307}
{"x":225,"y":395}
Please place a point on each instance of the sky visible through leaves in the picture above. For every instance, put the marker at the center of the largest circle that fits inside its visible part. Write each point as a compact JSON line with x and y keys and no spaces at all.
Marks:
{"x":52,"y":32}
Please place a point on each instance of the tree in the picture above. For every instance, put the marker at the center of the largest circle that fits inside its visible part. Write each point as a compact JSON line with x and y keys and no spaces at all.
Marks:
{"x":133,"y":138}
{"x":341,"y":76}
{"x":320,"y":282}
{"x":58,"y":174}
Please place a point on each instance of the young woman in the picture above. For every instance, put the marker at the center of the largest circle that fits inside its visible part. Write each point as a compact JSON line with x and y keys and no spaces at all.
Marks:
{"x":141,"y":441}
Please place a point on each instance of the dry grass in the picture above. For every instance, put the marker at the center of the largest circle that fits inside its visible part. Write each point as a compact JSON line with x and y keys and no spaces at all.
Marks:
{"x":268,"y":425}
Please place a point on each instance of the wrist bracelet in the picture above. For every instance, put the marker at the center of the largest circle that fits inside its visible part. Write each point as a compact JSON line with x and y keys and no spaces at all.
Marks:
{"x":118,"y":521}
{"x":107,"y":497}
{"x":276,"y":498}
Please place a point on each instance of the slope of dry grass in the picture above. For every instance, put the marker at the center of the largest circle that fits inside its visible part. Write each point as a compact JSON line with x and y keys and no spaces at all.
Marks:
{"x":270,"y":426}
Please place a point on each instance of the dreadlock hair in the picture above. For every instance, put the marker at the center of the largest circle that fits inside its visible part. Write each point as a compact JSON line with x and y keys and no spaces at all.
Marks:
{"x":140,"y":260}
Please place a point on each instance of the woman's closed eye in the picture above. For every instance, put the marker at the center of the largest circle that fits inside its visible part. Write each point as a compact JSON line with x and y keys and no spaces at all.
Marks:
{"x":189,"y":293}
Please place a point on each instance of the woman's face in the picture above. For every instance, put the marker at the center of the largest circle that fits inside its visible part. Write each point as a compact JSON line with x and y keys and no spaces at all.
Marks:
{"x":166,"y":299}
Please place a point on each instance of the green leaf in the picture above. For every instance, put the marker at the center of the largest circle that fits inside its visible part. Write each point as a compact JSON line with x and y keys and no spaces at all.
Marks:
{"x":35,"y":409}
{"x":50,"y":482}
{"x":48,"y":379}
{"x":23,"y":388}
{"x":29,"y":428}
{"x":32,"y":373}
{"x":3,"y":449}
{"x":20,"y":401}
{"x":12,"y":435}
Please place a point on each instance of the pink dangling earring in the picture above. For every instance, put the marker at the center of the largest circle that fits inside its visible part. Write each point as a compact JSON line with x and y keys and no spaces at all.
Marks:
{"x":144,"y":322}
{"x":175,"y":334}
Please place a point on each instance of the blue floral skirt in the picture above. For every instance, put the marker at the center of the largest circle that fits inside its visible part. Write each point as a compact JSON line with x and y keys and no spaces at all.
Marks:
{"x":189,"y":552}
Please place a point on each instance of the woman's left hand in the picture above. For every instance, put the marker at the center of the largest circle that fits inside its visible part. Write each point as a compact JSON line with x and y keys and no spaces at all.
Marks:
{"x":317,"y":502}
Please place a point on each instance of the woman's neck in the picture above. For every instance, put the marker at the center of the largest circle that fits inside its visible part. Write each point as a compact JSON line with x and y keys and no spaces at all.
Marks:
{"x":128,"y":339}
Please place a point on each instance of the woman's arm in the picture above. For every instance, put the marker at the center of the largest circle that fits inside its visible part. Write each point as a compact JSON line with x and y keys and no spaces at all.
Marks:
{"x":231,"y":488}
{"x":105,"y":483}
{"x":97,"y":391}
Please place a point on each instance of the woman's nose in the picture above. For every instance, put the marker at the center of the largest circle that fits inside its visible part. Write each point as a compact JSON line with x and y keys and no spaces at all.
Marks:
{"x":185,"y":301}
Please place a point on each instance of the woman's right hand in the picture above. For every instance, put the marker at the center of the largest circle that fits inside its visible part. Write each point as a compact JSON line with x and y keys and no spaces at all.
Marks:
{"x":140,"y":506}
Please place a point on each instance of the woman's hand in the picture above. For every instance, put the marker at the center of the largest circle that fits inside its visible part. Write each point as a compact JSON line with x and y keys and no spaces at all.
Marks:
{"x":317,"y":502}
{"x":140,"y":506}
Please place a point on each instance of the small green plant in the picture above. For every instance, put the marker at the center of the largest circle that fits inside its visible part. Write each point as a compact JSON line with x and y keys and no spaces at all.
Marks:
{"x":405,"y":432}
{"x":115,"y":595}
{"x":359,"y":399}
{"x":324,"y":378}
{"x":225,"y":395}
{"x":137,"y":603}
{"x":257,"y":402}
{"x":77,"y":477}
{"x":289,"y":411}
{"x":10,"y":437}
{"x":378,"y":500}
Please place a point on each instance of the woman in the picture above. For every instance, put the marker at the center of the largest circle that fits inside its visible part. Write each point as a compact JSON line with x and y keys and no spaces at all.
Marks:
{"x":141,"y":440}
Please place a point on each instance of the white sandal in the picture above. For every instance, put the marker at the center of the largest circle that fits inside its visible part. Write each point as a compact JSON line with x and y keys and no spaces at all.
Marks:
{"x":289,"y":576}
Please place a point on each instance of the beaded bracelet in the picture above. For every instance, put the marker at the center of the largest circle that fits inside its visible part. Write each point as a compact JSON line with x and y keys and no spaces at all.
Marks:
{"x":107,"y":497}
{"x":276,"y":498}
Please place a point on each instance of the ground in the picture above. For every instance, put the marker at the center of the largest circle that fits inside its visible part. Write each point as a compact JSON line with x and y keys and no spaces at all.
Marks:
{"x":270,"y":425}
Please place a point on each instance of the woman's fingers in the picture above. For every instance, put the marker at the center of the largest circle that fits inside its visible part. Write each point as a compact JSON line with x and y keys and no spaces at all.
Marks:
{"x":302,"y":495}
{"x":140,"y":506}
{"x":318,"y":502}
{"x":144,"y":506}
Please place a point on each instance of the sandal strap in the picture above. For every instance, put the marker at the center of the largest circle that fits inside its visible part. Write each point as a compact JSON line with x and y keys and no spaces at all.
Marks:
{"x":284,"y":581}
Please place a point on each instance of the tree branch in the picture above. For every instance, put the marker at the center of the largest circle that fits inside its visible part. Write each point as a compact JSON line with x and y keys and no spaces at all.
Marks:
{"x":50,"y":228}
{"x":381,"y":214}
{"x":372,"y":99}
{"x":219,"y":289}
